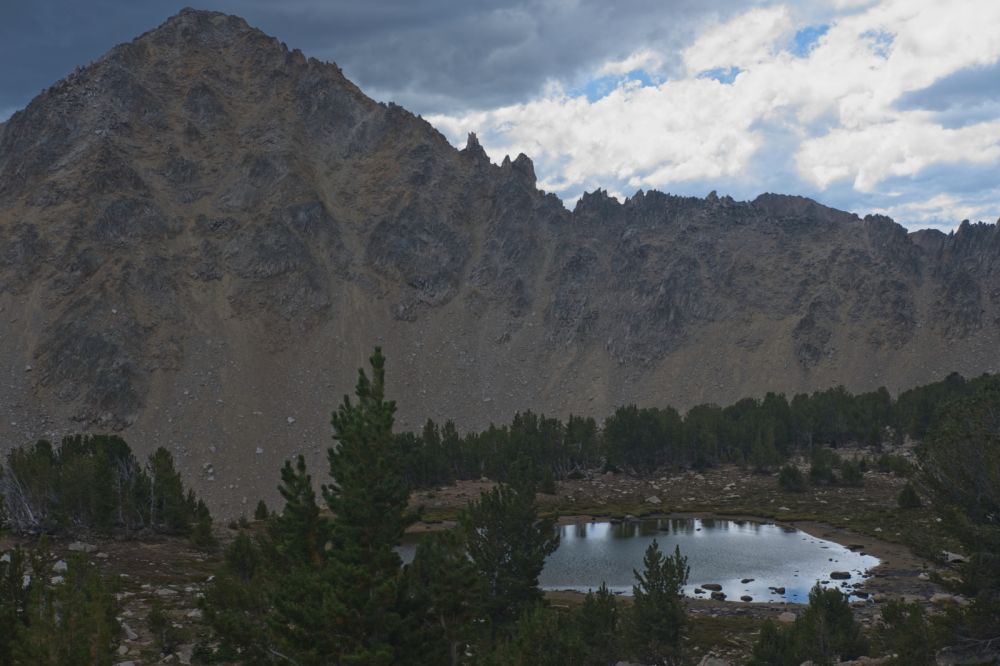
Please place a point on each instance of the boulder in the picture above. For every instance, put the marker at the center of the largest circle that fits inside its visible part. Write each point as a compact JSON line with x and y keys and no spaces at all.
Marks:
{"x":746,"y":597}
{"x":185,"y":653}
{"x":653,"y":499}
{"x":713,"y":587}
{"x":711,"y":660}
{"x":81,"y":547}
{"x":777,"y":590}
{"x":747,"y":580}
{"x":719,"y":596}
{"x":129,"y":632}
{"x":941,"y":598}
{"x":787,"y":617}
{"x":840,"y":575}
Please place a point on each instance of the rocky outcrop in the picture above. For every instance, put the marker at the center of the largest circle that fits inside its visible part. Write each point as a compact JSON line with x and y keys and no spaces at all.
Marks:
{"x":203,"y":233}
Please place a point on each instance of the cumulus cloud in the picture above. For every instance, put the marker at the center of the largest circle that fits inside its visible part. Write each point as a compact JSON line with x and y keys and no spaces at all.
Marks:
{"x":900,"y":147}
{"x":748,"y":40}
{"x":645,"y":60}
{"x":930,"y":212}
{"x":845,"y":111}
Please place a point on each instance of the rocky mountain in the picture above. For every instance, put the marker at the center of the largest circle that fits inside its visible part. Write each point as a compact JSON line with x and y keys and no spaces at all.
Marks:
{"x":203,"y":234}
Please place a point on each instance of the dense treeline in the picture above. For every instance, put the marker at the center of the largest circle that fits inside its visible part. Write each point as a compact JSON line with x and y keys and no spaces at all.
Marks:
{"x":758,"y":433}
{"x":94,"y":483}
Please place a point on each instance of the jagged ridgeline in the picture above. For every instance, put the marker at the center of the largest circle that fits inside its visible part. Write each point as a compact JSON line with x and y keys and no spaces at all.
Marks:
{"x":202,"y":232}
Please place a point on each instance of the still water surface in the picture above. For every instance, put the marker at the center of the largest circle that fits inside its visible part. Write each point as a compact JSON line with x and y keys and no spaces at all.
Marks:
{"x":718,"y":551}
{"x":724,"y":552}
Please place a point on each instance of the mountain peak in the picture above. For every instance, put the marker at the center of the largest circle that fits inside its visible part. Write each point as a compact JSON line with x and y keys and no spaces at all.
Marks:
{"x":201,"y":26}
{"x":203,"y":220}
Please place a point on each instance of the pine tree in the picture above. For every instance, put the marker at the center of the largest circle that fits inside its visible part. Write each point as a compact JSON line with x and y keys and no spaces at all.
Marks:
{"x":658,"y":619}
{"x":791,"y":479}
{"x":304,"y":597}
{"x":267,"y":604}
{"x":13,"y":601}
{"x":508,"y":544}
{"x":598,"y":622}
{"x":368,"y":498}
{"x":444,"y":598}
{"x":329,"y":590}
{"x":201,"y":530}
{"x":824,"y":634}
{"x":905,"y":632}
{"x":908,"y":497}
{"x":541,"y":637}
{"x":774,"y":647}
{"x":237,"y":605}
{"x":764,"y":454}
{"x":103,"y":500}
{"x":299,"y":533}
{"x":261,"y":512}
{"x":168,"y":507}
{"x":3,"y":510}
{"x":827,"y":631}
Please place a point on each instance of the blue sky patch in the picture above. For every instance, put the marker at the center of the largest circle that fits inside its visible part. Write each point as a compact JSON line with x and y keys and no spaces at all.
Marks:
{"x":881,"y":42}
{"x":724,"y":75}
{"x":806,"y":38}
{"x":601,"y":87}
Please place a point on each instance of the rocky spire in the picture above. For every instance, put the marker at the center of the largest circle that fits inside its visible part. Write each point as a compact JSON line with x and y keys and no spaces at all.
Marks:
{"x":474,"y":149}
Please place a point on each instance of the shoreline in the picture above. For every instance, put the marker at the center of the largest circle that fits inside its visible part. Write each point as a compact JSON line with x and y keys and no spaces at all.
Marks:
{"x":896,"y":574}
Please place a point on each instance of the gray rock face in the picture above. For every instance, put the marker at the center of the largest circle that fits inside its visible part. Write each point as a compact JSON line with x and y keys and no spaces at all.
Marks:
{"x":203,"y":232}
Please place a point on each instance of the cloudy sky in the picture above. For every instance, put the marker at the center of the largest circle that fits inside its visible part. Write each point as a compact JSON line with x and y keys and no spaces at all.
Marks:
{"x":888,"y":106}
